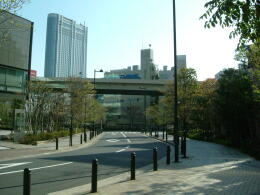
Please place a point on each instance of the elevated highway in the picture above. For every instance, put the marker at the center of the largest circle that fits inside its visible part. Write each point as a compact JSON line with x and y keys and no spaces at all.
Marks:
{"x":115,"y":86}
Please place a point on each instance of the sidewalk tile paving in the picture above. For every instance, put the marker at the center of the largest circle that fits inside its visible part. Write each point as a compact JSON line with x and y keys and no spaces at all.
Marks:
{"x":210,"y":169}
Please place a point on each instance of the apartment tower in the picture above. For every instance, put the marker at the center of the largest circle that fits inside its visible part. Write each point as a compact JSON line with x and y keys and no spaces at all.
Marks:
{"x":66,"y":48}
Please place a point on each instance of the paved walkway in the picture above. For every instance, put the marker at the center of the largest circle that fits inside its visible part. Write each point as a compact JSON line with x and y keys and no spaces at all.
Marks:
{"x":10,"y":150}
{"x":210,"y":169}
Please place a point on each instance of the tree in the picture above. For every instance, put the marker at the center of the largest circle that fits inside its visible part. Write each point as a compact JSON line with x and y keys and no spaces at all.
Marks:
{"x":80,"y":94}
{"x":187,"y":88}
{"x":235,"y":106}
{"x":37,"y":107}
{"x":204,"y":113}
{"x":132,"y":112}
{"x":242,"y":15}
{"x":5,"y":115}
{"x":11,"y":5}
{"x":250,"y":59}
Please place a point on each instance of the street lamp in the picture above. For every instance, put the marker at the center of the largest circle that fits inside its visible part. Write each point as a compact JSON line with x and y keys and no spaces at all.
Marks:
{"x":176,"y":137}
{"x":95,"y":76}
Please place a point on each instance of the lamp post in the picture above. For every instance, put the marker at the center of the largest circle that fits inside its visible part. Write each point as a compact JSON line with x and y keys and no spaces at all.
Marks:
{"x":176,"y":137}
{"x":95,"y":76}
{"x":95,"y":88}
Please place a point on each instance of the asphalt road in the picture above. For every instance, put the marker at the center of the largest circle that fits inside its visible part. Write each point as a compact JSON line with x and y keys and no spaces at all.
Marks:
{"x":50,"y":173}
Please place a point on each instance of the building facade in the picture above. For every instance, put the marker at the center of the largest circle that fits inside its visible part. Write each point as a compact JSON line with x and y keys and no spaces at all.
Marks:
{"x":15,"y":65}
{"x":148,"y":68}
{"x":66,"y":48}
{"x":15,"y":55}
{"x":168,"y":74}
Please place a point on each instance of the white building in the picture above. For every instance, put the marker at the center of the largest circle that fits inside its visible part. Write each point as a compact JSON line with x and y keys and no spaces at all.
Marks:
{"x":66,"y":48}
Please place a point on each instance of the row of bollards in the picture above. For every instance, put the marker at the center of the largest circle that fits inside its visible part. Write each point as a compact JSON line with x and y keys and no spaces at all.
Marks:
{"x":94,"y":177}
{"x":183,"y":148}
{"x":83,"y":136}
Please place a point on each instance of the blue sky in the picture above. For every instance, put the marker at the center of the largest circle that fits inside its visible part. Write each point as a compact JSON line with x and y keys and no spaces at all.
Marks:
{"x":119,"y":29}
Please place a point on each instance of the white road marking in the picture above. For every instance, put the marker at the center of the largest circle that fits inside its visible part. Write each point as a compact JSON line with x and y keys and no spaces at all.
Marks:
{"x":128,"y":140}
{"x":4,"y":148}
{"x":4,"y":166}
{"x":123,"y":134}
{"x":120,"y":150}
{"x":37,"y":168}
{"x":112,"y":140}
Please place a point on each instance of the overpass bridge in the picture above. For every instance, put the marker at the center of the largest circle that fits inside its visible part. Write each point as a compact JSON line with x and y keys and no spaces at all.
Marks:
{"x":115,"y":86}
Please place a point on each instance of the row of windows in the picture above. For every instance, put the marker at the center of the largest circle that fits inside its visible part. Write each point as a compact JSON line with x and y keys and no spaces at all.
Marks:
{"x":12,"y":80}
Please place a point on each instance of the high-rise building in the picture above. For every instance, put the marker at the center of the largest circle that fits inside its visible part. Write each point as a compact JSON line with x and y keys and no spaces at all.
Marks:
{"x":148,"y":68}
{"x":66,"y":48}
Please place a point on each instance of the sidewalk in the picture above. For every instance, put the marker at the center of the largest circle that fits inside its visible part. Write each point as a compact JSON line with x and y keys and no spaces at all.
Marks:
{"x":10,"y":150}
{"x":210,"y":169}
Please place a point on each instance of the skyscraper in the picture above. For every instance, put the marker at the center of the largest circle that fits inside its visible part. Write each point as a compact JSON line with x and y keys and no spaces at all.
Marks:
{"x":148,"y":68}
{"x":66,"y":48}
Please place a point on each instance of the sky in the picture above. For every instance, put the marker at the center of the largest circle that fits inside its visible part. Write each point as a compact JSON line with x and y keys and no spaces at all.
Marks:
{"x":119,"y":29}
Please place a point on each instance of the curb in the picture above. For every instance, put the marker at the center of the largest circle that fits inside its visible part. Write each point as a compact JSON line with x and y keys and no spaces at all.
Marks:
{"x":62,"y":150}
{"x":124,"y":177}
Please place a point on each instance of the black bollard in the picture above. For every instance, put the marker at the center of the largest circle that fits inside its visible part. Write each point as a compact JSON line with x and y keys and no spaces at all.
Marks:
{"x":133,"y":157}
{"x":155,"y":163}
{"x":163,"y":135}
{"x":57,"y":143}
{"x":26,"y":182}
{"x":81,"y":138}
{"x":85,"y":136}
{"x":184,"y":145}
{"x":166,"y":136}
{"x":94,"y":176}
{"x":176,"y":148}
{"x":70,"y":144}
{"x":168,"y":155}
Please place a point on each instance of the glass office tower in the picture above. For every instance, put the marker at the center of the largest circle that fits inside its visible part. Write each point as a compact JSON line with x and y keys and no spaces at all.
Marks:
{"x":66,"y":48}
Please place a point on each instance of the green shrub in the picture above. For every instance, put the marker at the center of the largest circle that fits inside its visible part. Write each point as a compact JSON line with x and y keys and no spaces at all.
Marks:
{"x":33,"y":138}
{"x":197,"y":134}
